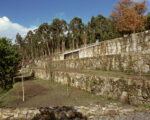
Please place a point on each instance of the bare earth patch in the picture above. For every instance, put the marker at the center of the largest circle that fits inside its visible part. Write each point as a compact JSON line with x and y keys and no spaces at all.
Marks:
{"x":40,"y":93}
{"x":31,"y":90}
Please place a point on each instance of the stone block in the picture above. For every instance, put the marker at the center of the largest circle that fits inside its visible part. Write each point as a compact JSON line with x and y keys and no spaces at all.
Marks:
{"x":124,"y":97}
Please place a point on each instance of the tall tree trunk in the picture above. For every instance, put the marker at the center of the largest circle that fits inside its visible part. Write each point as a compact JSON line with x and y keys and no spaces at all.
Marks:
{"x":48,"y":48}
{"x":63,"y":46}
{"x":85,"y":40}
{"x":77,"y":44}
{"x":11,"y":82}
{"x":5,"y":85}
{"x":73,"y":45}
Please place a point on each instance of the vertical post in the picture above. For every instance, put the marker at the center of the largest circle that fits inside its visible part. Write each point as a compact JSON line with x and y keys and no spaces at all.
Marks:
{"x":68,"y":89}
{"x":22,"y":83}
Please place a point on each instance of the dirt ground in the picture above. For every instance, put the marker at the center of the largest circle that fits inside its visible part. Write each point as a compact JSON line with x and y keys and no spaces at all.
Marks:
{"x":40,"y":93}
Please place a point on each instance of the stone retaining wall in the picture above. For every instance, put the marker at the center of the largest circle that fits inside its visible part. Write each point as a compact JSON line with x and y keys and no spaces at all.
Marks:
{"x":139,"y":42}
{"x":18,"y":113}
{"x":123,"y":62}
{"x":129,"y":90}
{"x":130,"y":53}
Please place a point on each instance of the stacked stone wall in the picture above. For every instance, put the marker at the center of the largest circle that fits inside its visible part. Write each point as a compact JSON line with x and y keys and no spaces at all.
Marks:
{"x":130,"y":90}
{"x":131,"y":54}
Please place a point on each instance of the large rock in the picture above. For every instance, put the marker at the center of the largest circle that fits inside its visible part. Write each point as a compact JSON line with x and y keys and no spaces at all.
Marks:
{"x":124,"y":97}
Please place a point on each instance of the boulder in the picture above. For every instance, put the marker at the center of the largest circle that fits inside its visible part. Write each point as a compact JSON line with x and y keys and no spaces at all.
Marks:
{"x":124,"y":97}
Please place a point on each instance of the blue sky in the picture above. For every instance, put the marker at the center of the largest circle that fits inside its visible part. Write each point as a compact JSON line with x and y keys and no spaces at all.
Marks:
{"x":33,"y":12}
{"x":29,"y":14}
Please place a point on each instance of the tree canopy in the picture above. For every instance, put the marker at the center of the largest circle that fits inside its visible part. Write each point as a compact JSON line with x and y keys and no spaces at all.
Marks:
{"x":59,"y":36}
{"x":128,"y":15}
{"x":48,"y":39}
{"x":9,"y":62}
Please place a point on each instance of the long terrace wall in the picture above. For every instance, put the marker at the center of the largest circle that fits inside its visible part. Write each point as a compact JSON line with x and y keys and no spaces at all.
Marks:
{"x":130,"y":54}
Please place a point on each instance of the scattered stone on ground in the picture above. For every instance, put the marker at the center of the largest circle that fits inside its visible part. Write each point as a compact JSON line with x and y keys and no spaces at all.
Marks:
{"x":59,"y":113}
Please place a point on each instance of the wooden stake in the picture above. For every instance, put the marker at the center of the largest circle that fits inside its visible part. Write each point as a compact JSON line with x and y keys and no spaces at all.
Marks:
{"x":22,"y":89}
{"x":67,"y":90}
{"x":22,"y":83}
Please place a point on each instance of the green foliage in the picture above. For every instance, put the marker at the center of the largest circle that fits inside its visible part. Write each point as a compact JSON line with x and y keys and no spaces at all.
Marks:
{"x":95,"y":81}
{"x":91,"y":84}
{"x":73,"y":80}
{"x":101,"y":28}
{"x":31,"y":66}
{"x":59,"y":36}
{"x":76,"y":28}
{"x":145,"y":106}
{"x":148,"y":21}
{"x":9,"y":61}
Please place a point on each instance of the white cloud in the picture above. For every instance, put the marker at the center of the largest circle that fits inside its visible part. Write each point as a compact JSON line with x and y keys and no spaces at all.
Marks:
{"x":9,"y":29}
